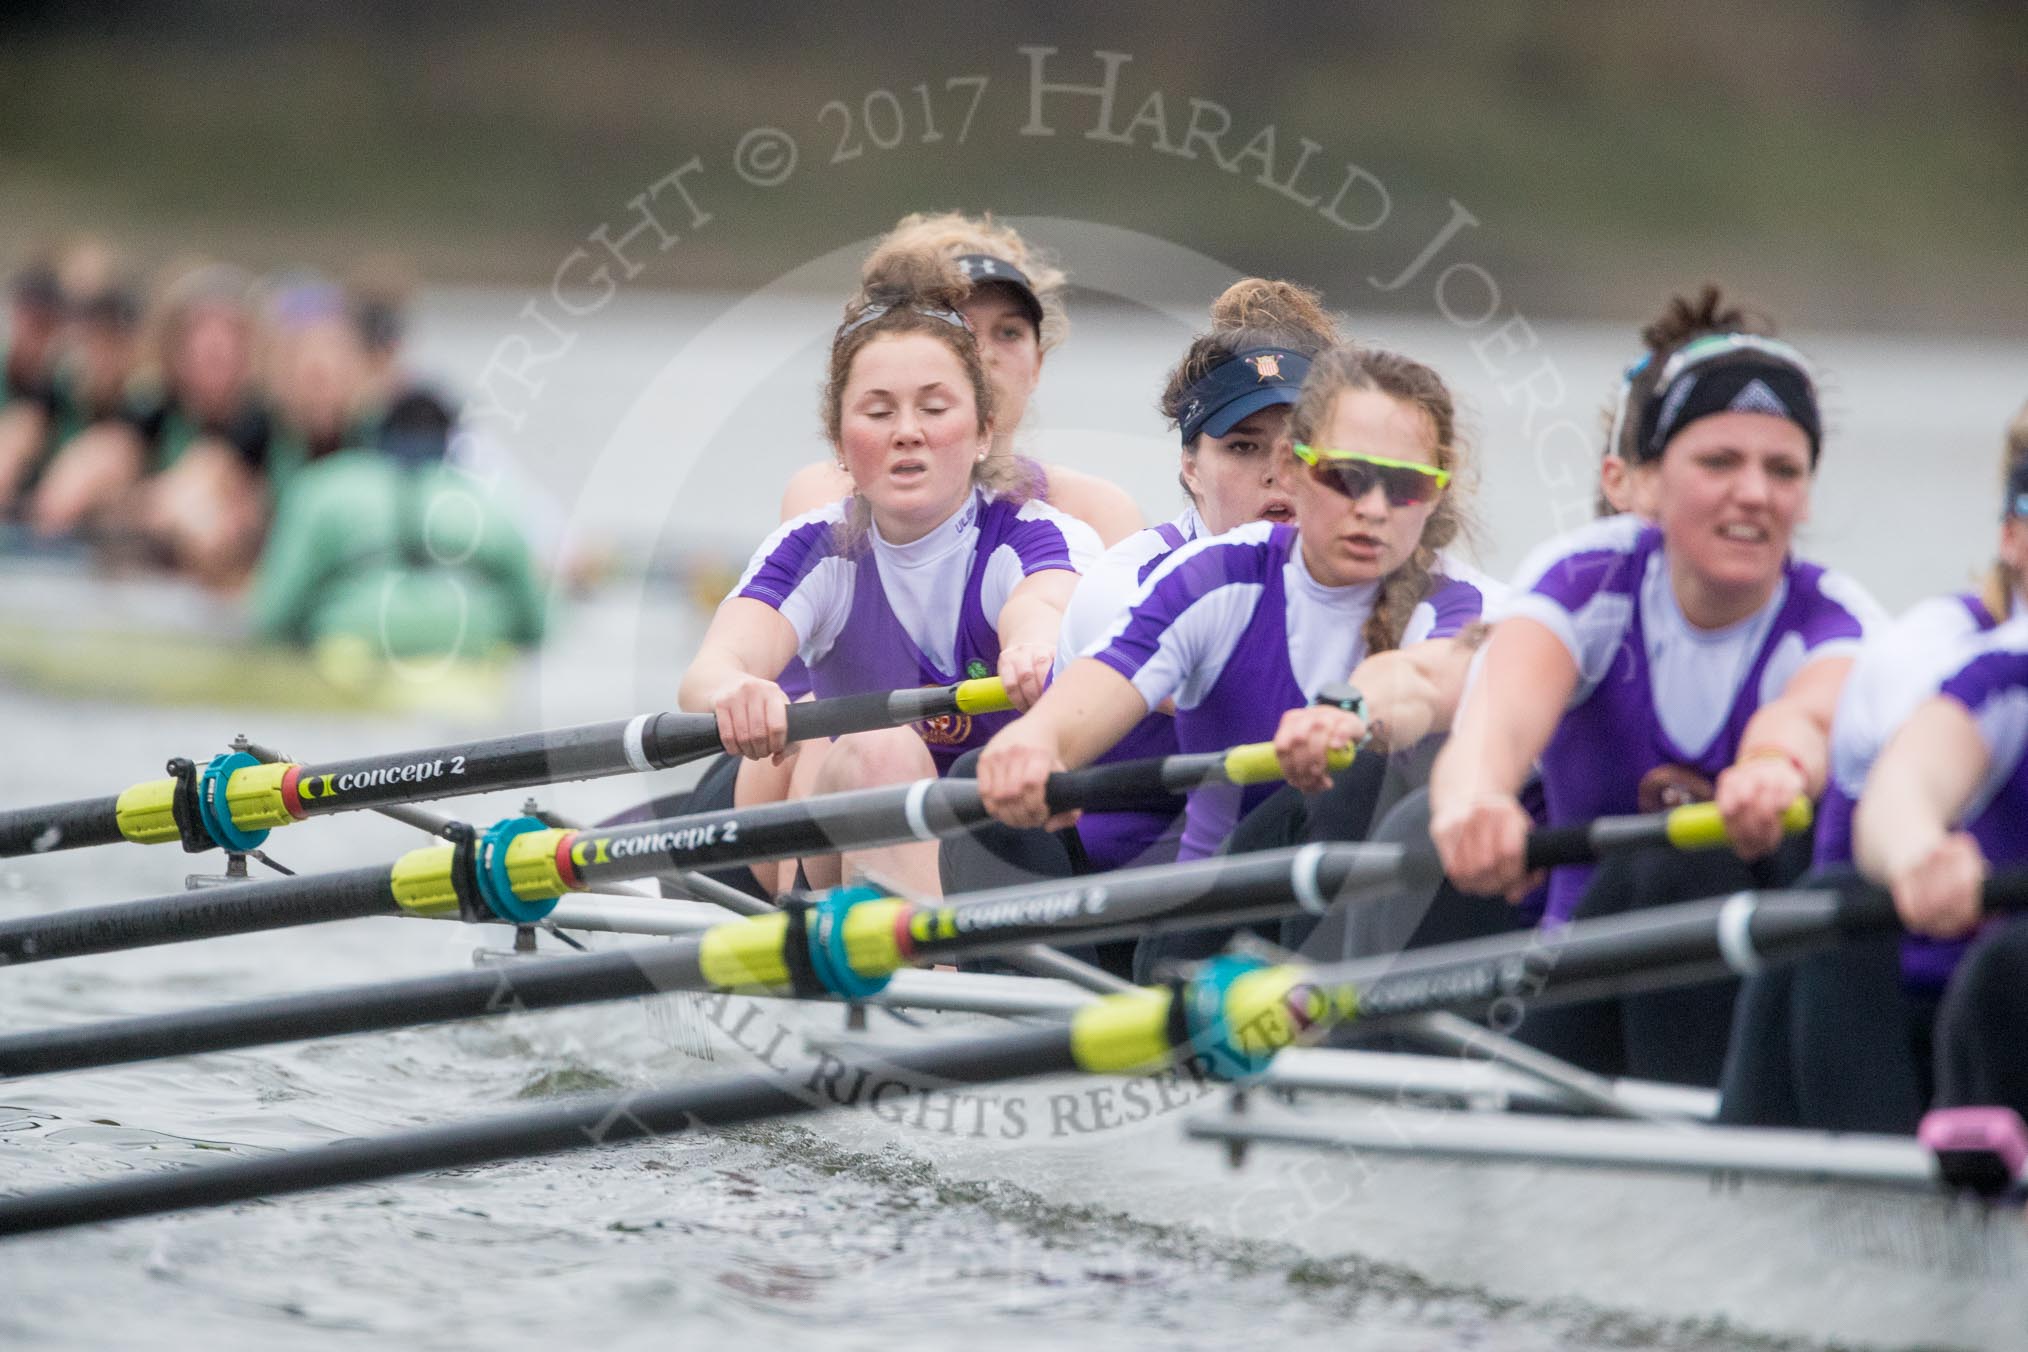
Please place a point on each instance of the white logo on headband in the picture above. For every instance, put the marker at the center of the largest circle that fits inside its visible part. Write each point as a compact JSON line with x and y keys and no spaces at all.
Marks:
{"x":1758,"y":398}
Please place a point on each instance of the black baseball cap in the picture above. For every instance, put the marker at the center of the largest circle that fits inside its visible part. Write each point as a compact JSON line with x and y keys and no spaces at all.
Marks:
{"x":983,"y":268}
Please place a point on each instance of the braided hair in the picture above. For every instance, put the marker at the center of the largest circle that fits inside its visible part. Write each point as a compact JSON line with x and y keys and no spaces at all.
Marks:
{"x":1352,"y":367}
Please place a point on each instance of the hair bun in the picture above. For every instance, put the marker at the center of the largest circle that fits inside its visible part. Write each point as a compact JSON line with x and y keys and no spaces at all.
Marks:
{"x":919,"y":278}
{"x":1693,"y":316}
{"x":1262,"y":304}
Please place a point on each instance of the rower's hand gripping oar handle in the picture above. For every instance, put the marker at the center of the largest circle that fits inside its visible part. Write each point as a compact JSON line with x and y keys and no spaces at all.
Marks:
{"x":1696,"y":826}
{"x":1154,"y":785}
{"x":1866,"y":907}
{"x":885,"y":708}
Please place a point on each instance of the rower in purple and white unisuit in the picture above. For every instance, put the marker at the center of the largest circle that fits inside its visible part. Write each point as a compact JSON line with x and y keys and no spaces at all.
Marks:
{"x":1946,"y":804}
{"x":1651,"y":664}
{"x":1242,"y":630}
{"x":1014,"y":302}
{"x":1229,"y":401}
{"x":1842,"y":1041}
{"x":930,"y":573}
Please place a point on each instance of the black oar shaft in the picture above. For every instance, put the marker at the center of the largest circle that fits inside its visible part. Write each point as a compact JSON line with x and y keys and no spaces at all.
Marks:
{"x":862,"y":818}
{"x":241,"y":908}
{"x":508,"y":988}
{"x":821,"y":1084}
{"x":591,"y":751}
{"x":1618,"y":955}
{"x":1230,"y":889}
{"x":59,"y":826}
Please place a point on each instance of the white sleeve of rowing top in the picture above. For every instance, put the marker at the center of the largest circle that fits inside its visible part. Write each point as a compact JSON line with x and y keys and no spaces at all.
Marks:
{"x":1897,"y":667}
{"x":1576,"y":586}
{"x":1185,"y":620}
{"x":1841,"y":617}
{"x":798,"y":572}
{"x":1104,"y":592}
{"x":1043,"y":538}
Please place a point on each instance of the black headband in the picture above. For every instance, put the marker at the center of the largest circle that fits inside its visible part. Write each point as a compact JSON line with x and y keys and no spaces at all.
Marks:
{"x":1729,"y":373}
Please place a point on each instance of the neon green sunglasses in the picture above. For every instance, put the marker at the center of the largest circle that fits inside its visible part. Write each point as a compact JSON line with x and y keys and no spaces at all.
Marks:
{"x":1406,"y":483}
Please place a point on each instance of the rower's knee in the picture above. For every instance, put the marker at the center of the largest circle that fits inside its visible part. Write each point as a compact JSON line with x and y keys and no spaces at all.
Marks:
{"x":868,"y":760}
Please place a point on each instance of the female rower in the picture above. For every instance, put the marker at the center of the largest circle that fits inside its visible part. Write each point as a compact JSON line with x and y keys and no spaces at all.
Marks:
{"x":935,"y":568}
{"x":1646,"y":664}
{"x":1229,"y":400}
{"x":1841,"y":1041}
{"x":317,"y":378}
{"x":186,"y":473}
{"x":1015,"y":306}
{"x":28,"y":358}
{"x":1243,"y":630}
{"x":1945,"y":805}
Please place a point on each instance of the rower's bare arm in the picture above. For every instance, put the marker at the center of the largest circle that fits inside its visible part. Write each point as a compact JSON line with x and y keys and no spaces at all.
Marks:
{"x":1413,"y":692}
{"x":1099,"y":503}
{"x":733,"y":676}
{"x":1084,"y":712}
{"x":817,"y":484}
{"x":23,"y":425}
{"x":1902,"y":830}
{"x":1798,"y":723}
{"x":1784,"y":754}
{"x":1028,"y":626}
{"x":1508,"y":713}
{"x":88,"y":474}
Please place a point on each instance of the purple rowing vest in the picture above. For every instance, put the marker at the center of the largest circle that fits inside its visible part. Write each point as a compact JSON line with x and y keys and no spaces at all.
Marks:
{"x":1254,"y":690}
{"x":1594,"y":763}
{"x":1114,"y":840}
{"x":874,"y":651}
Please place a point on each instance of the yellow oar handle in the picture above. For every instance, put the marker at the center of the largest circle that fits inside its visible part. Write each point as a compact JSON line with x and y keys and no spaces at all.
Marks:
{"x":1698,"y":826}
{"x":983,"y":696}
{"x":1255,"y":762}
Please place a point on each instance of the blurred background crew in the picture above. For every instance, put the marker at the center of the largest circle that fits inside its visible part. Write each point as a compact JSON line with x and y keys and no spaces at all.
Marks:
{"x":27,"y":364}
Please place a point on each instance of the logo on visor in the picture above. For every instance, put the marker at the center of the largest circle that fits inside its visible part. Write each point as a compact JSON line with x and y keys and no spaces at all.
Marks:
{"x":1268,"y":366}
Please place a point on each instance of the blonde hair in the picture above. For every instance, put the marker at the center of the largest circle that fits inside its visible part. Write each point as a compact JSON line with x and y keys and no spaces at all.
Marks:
{"x":2001,"y":583}
{"x":953,"y":235}
{"x":1351,"y":367}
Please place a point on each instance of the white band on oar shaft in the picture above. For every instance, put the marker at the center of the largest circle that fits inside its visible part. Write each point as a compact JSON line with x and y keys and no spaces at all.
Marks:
{"x":911,"y":809}
{"x":634,"y":742}
{"x":1303,"y":879}
{"x":1735,"y":934}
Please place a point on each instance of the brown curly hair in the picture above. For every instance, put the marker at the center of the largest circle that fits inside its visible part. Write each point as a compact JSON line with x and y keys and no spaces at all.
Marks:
{"x":1352,"y":367}
{"x":903,"y":296}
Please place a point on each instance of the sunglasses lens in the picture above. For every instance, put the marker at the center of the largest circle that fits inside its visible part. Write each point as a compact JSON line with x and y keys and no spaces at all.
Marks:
{"x":1356,"y":478}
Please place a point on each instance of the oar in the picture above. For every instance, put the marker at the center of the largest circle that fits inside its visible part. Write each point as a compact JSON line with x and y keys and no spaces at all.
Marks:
{"x":775,"y":954}
{"x":235,"y":800}
{"x":515,"y":870}
{"x":763,"y":951}
{"x":1227,"y":1016}
{"x":1694,"y":826}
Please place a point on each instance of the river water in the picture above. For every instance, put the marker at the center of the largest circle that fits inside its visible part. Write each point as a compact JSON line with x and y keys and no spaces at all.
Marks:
{"x":668,"y":425}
